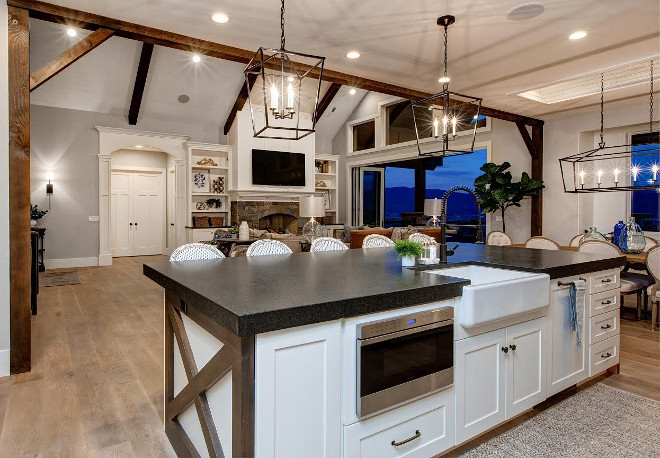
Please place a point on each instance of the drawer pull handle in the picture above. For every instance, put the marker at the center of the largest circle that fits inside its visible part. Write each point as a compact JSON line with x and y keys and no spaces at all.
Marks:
{"x":505,"y":349}
{"x":606,"y":302}
{"x":606,"y":355}
{"x":606,"y":327}
{"x":512,"y":347}
{"x":607,"y":280}
{"x":405,"y":441}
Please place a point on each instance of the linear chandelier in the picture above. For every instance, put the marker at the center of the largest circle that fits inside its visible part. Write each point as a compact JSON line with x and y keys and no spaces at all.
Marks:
{"x":281,"y":80}
{"x":614,"y":168}
{"x":443,"y":115}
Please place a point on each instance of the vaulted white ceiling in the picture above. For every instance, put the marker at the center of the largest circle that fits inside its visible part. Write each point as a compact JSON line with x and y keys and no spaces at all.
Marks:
{"x":489,"y":55}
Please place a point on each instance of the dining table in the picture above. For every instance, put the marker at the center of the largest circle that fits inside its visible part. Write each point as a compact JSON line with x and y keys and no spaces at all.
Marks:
{"x":631,"y":258}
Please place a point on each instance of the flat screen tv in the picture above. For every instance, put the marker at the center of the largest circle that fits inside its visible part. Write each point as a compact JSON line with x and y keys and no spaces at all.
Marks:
{"x":277,"y":168}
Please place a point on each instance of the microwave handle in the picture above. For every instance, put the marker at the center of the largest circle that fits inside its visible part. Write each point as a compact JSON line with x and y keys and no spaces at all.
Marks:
{"x":405,"y":332}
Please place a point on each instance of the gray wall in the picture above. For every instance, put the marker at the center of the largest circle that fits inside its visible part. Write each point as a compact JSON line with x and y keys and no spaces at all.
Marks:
{"x":67,"y":143}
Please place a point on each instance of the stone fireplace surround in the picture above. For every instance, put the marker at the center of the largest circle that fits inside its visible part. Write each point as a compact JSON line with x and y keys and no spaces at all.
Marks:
{"x":276,"y":216}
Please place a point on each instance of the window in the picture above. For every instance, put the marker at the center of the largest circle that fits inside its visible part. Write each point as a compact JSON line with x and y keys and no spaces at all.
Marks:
{"x":399,"y":194}
{"x":400,"y":124}
{"x":364,"y":135}
{"x":461,"y":207}
{"x":644,"y":203}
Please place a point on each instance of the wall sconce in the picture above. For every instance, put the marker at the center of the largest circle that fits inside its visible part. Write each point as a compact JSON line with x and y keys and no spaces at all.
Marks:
{"x":49,"y":187}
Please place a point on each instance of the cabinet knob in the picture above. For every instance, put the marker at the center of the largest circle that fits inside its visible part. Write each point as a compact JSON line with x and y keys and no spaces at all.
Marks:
{"x":606,"y":355}
{"x":606,"y":327}
{"x":606,"y":302}
{"x":512,"y":347}
{"x":607,"y":280}
{"x":505,"y":349}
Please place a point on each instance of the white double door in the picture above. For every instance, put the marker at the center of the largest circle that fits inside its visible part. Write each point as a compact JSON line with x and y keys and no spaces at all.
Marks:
{"x":137,"y":213}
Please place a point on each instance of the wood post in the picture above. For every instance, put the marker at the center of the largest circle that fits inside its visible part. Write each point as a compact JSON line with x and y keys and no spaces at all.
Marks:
{"x":19,"y":189}
{"x":537,"y":174}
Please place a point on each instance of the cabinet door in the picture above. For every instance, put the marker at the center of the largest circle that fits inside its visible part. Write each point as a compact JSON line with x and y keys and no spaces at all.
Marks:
{"x":298,"y":392}
{"x":567,"y":364}
{"x":479,"y":384}
{"x":525,"y":366}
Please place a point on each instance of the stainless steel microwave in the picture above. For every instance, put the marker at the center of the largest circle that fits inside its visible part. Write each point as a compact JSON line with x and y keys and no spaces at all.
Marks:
{"x":404,"y":358}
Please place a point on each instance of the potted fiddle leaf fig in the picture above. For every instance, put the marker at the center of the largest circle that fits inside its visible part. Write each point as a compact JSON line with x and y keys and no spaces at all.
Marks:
{"x":497,"y":191}
{"x":407,"y":251}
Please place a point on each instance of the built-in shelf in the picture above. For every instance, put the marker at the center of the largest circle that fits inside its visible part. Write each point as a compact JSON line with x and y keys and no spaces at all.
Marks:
{"x":323,"y":174}
{"x":209,"y":194}
{"x":209,"y":167}
{"x":329,"y":188}
{"x":210,"y":211}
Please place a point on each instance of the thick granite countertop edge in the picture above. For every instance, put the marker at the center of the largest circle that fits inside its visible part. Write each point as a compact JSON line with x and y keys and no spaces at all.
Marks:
{"x":302,"y":315}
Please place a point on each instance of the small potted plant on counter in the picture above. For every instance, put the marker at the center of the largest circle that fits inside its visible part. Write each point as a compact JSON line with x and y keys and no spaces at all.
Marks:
{"x":36,"y":214}
{"x":407,"y":251}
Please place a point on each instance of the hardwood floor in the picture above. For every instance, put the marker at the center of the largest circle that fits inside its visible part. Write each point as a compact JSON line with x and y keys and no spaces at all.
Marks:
{"x":96,"y":387}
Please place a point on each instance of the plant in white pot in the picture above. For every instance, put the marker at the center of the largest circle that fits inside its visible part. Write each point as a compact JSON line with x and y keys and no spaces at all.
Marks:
{"x":407,"y":251}
{"x":36,"y":214}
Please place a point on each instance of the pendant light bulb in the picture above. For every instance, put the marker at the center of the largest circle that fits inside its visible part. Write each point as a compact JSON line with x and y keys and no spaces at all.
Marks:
{"x":436,"y":125}
{"x":274,"y":98}
{"x":289,"y":96}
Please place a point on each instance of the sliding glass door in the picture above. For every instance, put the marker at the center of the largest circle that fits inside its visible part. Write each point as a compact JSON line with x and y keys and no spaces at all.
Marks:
{"x":372,"y":185}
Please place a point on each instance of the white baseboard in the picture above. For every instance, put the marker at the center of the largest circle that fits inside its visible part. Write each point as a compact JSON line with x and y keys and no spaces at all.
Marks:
{"x":4,"y":363}
{"x":71,"y":262}
{"x":105,"y":260}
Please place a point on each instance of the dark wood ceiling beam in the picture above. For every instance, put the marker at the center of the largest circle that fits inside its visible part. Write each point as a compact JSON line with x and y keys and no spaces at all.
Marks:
{"x":327,"y":99}
{"x":55,"y":13}
{"x":240,"y":102}
{"x":140,"y":82}
{"x":75,"y":52}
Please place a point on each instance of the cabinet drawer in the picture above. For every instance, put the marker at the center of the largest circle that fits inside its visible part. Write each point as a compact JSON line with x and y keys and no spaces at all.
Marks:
{"x":603,"y":326}
{"x":421,"y":429}
{"x":603,"y":354}
{"x":603,"y":302}
{"x":604,"y":281}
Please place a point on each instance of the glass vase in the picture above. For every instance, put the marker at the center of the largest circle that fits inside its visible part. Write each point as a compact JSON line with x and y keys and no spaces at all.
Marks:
{"x":617,"y":231}
{"x":592,"y":234}
{"x":631,"y":239}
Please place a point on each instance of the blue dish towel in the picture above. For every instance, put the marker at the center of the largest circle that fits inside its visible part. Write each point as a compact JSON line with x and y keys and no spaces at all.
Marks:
{"x":576,"y":294}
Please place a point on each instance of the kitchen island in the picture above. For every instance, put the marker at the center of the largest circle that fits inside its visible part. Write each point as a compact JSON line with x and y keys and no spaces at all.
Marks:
{"x":260,"y":352}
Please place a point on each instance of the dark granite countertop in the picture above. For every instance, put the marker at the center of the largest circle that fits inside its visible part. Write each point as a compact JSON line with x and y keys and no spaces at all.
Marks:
{"x":260,"y":294}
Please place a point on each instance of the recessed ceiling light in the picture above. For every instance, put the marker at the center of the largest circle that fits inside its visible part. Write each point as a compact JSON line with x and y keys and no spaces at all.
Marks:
{"x":577,"y":35}
{"x":139,"y":146}
{"x":352,"y":91}
{"x":444,"y":79}
{"x":352,"y":54}
{"x":220,"y":18}
{"x":196,"y":58}
{"x":71,"y":32}
{"x":525,"y":11}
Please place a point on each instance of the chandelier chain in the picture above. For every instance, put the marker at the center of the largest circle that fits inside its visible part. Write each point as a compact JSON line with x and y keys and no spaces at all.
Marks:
{"x":602,"y":110}
{"x":446,"y":84}
{"x":282,"y":25}
{"x":651,"y":101}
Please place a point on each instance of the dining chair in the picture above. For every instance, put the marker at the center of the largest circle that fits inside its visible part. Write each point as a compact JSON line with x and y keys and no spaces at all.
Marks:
{"x":196,"y":251}
{"x":377,"y":241}
{"x":327,"y":244}
{"x":636,"y":265}
{"x":542,"y":243}
{"x":653,"y":266}
{"x":575,"y":240}
{"x":498,"y":238}
{"x":631,"y":283}
{"x":265,"y":247}
{"x":422,"y":239}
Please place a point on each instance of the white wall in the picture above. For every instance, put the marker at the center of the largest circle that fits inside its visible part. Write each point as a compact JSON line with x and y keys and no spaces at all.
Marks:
{"x":66,"y":142}
{"x":503,"y":141}
{"x":4,"y":195}
{"x":565,"y":214}
{"x":134,"y":158}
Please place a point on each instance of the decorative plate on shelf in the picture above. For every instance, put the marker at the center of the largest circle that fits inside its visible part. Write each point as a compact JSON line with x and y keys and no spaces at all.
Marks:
{"x":200,"y":206}
{"x":201,"y":182}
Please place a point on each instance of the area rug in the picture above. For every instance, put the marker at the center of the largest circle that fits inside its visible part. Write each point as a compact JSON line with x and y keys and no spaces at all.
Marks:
{"x":600,"y":421}
{"x":61,"y":278}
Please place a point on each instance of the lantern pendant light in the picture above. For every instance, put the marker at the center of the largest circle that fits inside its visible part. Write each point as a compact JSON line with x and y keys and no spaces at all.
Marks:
{"x":283,"y":91}
{"x":617,"y":167}
{"x":442,"y":116}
